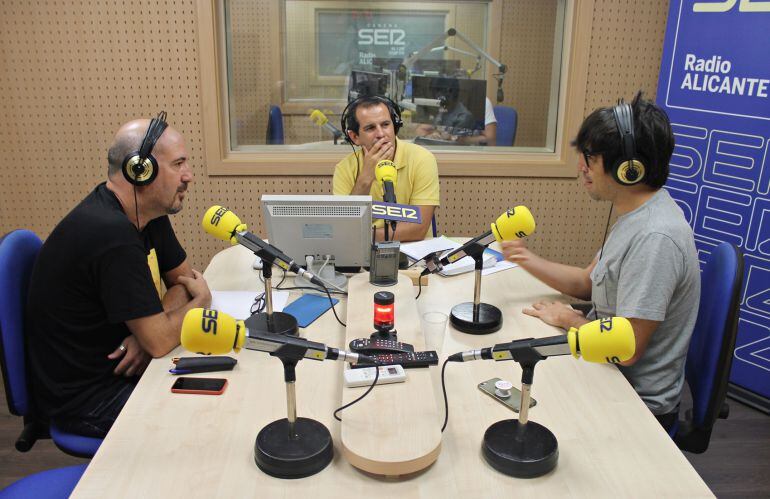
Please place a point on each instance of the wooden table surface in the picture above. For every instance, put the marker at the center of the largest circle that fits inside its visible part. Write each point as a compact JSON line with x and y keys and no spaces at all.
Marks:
{"x":174,"y":445}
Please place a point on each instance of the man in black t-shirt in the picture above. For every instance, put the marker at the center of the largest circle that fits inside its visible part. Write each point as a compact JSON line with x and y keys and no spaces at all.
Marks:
{"x":96,"y":314}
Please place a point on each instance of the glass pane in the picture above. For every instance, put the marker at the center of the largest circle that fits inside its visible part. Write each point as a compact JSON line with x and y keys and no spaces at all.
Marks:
{"x":433,"y":58}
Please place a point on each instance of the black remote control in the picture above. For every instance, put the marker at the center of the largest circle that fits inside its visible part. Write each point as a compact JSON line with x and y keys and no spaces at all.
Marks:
{"x":406,"y":360}
{"x":379,"y":346}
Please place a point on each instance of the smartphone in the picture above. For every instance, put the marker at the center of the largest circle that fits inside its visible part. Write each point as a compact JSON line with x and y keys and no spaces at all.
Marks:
{"x":202,"y":386}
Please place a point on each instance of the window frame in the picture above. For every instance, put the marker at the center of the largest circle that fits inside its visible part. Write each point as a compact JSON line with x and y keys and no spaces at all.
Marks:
{"x":470,"y":161}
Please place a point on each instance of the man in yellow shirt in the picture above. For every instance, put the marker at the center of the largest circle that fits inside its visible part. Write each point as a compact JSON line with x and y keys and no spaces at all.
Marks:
{"x":372,"y":122}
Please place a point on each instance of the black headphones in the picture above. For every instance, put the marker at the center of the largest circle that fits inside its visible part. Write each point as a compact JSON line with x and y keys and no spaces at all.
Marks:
{"x":628,"y":169}
{"x":140,"y":167}
{"x":348,"y":118}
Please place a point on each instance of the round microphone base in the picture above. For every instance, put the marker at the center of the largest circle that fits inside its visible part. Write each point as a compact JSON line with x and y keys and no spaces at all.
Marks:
{"x":521,"y":450}
{"x":278,"y":323}
{"x":307,"y":453}
{"x":481,"y":319}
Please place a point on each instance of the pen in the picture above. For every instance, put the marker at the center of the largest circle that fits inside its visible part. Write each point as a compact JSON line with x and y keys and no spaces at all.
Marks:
{"x":179,"y":371}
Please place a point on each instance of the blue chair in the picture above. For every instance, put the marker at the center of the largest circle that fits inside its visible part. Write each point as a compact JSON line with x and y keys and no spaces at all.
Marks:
{"x":707,"y":368}
{"x":507,"y":119}
{"x":18,"y":250}
{"x":50,"y":484}
{"x":274,"y":126}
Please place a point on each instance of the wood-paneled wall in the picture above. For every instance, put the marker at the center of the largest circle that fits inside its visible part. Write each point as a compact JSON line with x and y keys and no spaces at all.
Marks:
{"x":71,"y":73}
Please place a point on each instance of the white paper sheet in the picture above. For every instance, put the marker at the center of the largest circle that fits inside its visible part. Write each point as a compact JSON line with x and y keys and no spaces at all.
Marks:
{"x":238,"y":303}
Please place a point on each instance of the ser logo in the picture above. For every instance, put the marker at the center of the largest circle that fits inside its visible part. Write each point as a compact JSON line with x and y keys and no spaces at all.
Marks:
{"x":725,"y":5}
{"x":209,"y":321}
{"x":215,"y":219}
{"x":400,"y":212}
{"x":381,"y":36}
{"x":605,"y":325}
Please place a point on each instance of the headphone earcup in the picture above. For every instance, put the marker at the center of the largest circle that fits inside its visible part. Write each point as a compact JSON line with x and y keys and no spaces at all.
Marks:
{"x":139,"y":172}
{"x":628,"y":172}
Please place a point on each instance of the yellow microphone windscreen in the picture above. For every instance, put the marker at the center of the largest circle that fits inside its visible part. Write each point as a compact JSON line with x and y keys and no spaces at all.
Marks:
{"x":222,"y":223}
{"x":605,"y":340}
{"x":318,"y":117}
{"x":210,"y":332}
{"x":385,"y":171}
{"x":513,"y":224}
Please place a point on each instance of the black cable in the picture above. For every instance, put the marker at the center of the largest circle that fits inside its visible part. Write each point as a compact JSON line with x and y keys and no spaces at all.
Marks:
{"x":283,"y":278}
{"x":446,"y":401}
{"x":419,"y":287}
{"x":371,"y":387}
{"x":338,"y":319}
{"x":136,"y":208}
{"x":328,"y":294}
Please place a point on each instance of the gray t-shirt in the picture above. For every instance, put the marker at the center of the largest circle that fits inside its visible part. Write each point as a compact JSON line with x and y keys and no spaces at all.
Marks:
{"x":649,"y":270}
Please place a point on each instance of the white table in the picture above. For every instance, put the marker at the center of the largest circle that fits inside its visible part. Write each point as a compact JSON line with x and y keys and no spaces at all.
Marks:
{"x":171,"y":445}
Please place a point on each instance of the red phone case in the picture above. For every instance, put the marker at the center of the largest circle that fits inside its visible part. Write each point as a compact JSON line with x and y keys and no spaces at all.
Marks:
{"x":199,"y":391}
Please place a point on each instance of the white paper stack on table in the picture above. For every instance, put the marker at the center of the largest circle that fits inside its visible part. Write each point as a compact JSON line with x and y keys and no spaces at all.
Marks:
{"x":493,"y":260}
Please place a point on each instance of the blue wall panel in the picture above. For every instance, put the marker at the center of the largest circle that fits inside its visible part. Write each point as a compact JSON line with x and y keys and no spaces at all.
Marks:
{"x":715,"y":86}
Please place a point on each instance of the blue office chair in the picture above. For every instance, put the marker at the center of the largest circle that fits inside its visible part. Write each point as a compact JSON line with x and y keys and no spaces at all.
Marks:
{"x":50,"y":484}
{"x":707,"y":368}
{"x":18,"y":250}
{"x":507,"y":119}
{"x":274,"y":126}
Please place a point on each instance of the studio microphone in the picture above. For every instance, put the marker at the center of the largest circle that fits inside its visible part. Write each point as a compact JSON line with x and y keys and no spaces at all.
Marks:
{"x":211,"y":332}
{"x":515,"y":223}
{"x":608,"y":340}
{"x":320,"y":119}
{"x":223,"y":224}
{"x":385,"y":171}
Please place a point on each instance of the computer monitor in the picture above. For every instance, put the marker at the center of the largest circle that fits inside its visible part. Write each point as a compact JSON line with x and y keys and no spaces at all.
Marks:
{"x":321,"y":226}
{"x":456,"y":104}
{"x":365,"y":83}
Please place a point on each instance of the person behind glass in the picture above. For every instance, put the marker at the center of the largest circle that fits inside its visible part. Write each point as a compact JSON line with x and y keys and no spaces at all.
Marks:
{"x":95,"y":309}
{"x":647,"y":269}
{"x":371,"y":123}
{"x":487,"y":137}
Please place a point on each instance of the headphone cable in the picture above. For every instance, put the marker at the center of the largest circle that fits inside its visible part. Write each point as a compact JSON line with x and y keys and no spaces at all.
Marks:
{"x":136,"y":209}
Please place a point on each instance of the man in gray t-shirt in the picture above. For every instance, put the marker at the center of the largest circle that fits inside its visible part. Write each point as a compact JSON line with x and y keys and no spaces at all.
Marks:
{"x":647,"y":270}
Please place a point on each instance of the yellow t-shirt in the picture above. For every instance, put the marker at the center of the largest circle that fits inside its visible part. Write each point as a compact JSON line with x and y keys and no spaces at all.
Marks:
{"x":416,"y":181}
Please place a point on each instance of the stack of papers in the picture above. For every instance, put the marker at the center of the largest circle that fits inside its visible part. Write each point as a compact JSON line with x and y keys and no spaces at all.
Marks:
{"x":493,"y":260}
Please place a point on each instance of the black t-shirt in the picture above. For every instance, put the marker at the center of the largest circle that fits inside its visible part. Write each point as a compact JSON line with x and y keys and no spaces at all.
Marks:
{"x":92,"y":274}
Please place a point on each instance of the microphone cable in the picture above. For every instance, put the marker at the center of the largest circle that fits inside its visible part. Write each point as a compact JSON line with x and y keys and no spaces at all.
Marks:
{"x":446,"y":400}
{"x":328,"y":294}
{"x":371,"y":387}
{"x":419,"y":287}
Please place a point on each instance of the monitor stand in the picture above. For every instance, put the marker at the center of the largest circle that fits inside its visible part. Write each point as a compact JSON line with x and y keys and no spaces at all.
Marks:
{"x":328,"y":274}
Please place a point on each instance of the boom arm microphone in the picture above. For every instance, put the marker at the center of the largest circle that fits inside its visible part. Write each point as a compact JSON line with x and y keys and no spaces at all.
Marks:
{"x":513,"y":224}
{"x":223,"y":224}
{"x":320,"y":119}
{"x":210,"y":332}
{"x":608,"y":340}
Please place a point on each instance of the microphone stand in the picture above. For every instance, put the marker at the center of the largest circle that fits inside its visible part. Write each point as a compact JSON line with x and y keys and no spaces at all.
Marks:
{"x":293,"y":447}
{"x":476,"y":317}
{"x":270,"y":321}
{"x":521,"y":448}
